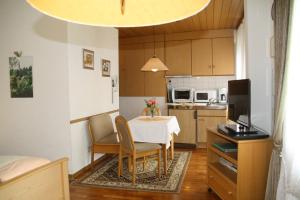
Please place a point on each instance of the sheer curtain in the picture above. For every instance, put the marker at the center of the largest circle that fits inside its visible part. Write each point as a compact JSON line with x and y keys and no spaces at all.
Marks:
{"x":289,"y":182}
{"x":240,"y":53}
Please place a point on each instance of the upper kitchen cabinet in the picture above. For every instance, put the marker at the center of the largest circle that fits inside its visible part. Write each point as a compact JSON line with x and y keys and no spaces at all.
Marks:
{"x":213,"y":57}
{"x":178,"y":57}
{"x":132,"y":78}
{"x":223,"y":56}
{"x":155,"y":83}
{"x":202,"y":57}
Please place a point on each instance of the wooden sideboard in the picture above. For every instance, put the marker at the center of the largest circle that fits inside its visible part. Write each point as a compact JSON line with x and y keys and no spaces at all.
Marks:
{"x":252,"y":161}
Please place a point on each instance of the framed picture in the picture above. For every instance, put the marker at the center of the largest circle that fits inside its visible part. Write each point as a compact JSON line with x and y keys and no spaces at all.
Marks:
{"x":105,"y":67}
{"x":88,"y":59}
{"x":20,"y":71}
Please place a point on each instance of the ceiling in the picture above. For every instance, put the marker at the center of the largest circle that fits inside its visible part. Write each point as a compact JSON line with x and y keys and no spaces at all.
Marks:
{"x":219,"y":14}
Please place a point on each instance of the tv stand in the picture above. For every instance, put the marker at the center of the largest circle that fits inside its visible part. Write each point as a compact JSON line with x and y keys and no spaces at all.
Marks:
{"x":251,"y":159}
{"x":240,"y":129}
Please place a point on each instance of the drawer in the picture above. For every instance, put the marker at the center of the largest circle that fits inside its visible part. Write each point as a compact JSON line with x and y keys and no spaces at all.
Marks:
{"x":224,"y":189}
{"x":212,"y":113}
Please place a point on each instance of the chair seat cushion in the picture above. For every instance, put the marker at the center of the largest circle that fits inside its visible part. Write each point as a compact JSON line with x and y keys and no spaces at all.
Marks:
{"x":109,"y":139}
{"x":140,"y":147}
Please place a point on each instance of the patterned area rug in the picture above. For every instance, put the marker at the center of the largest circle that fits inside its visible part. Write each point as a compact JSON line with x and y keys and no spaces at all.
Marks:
{"x":107,"y":175}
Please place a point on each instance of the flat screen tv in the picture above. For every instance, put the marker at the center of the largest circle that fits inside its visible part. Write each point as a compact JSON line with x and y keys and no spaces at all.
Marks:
{"x":239,"y":102}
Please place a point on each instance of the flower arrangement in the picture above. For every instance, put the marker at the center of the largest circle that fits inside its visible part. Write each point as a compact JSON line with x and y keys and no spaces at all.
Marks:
{"x":151,"y":105}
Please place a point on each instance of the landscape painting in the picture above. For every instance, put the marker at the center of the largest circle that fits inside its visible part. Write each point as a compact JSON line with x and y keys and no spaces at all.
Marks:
{"x":20,"y":70}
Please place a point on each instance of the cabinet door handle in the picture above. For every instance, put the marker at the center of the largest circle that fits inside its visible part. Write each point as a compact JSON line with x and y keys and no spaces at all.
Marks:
{"x":229,"y":193}
{"x":213,"y":66}
{"x":209,"y":66}
{"x":211,"y":177}
{"x":202,"y":120}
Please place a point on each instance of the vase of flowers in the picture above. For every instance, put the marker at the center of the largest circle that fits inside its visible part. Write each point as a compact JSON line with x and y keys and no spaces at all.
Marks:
{"x":151,"y":105}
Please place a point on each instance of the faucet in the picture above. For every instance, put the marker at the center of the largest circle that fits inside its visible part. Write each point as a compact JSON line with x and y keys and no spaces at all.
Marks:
{"x":211,"y":101}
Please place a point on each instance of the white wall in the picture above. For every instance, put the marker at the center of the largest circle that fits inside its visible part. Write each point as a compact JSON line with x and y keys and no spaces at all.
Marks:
{"x":63,"y":90}
{"x":131,"y":107}
{"x":259,"y":31}
{"x":90,"y":93}
{"x":37,"y":126}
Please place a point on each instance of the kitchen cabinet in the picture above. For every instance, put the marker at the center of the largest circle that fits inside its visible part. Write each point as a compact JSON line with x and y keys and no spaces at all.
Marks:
{"x":178,"y":57}
{"x":223,"y":56}
{"x":208,"y":118}
{"x":155,"y":82}
{"x":202,"y":57}
{"x":134,"y":82}
{"x":213,"y":57}
{"x":187,"y":124}
{"x":132,"y":78}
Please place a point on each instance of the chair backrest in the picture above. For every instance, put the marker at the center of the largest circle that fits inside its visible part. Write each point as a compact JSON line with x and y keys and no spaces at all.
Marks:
{"x":147,"y":112}
{"x":124,"y":134}
{"x":100,"y":126}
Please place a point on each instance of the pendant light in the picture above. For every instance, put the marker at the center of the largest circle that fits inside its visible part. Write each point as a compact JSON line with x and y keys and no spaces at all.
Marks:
{"x":154,"y":64}
{"x":120,"y":13}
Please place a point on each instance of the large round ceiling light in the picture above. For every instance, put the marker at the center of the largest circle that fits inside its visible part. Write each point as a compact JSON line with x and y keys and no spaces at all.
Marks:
{"x":120,"y":13}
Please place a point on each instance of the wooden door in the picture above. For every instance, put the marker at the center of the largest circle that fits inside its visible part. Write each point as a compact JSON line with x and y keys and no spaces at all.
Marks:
{"x":223,"y":56}
{"x":155,"y":83}
{"x":203,"y":123}
{"x":133,"y":62}
{"x":187,"y":124}
{"x":178,"y":57}
{"x":202,"y":57}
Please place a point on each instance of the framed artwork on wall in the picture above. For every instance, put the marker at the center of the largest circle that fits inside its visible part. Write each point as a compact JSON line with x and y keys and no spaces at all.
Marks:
{"x":88,"y":59}
{"x":20,"y":71}
{"x":105,"y":67}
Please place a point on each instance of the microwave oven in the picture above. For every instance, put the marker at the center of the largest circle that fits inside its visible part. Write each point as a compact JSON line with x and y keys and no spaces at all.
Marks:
{"x":182,"y":95}
{"x":203,"y":96}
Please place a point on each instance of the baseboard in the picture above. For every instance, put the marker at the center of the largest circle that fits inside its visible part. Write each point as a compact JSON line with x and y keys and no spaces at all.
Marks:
{"x":88,"y":167}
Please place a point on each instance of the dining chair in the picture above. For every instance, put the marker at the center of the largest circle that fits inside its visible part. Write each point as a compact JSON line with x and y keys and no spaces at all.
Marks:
{"x":147,"y":111}
{"x":133,"y":150}
{"x":102,"y":135}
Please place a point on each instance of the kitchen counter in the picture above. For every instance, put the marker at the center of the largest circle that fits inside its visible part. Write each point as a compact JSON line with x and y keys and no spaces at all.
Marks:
{"x":196,"y":106}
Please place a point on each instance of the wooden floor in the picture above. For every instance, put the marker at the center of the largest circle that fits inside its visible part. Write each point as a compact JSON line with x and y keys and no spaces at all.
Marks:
{"x":194,"y":186}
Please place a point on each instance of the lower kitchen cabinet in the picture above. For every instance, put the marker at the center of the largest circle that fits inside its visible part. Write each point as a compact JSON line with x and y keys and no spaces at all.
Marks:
{"x":208,"y":118}
{"x":187,"y":124}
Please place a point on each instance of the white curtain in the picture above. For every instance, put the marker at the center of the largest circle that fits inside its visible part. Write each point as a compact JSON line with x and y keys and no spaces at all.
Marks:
{"x":240,"y":53}
{"x":289,"y":181}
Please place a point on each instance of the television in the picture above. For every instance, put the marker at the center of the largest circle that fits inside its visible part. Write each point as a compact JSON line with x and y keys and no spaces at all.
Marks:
{"x":239,"y":105}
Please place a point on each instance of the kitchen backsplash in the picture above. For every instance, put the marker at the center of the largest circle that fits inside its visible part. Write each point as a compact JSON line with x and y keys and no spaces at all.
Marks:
{"x":203,"y":82}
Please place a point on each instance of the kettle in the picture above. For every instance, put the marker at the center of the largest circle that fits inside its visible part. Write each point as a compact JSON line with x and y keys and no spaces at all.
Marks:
{"x":222,"y":95}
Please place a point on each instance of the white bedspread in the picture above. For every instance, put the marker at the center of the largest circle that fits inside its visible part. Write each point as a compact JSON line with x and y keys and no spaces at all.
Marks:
{"x":12,"y":166}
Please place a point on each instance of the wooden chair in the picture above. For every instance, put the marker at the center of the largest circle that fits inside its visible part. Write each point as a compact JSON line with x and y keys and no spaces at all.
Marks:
{"x":102,"y":135}
{"x":133,"y":150}
{"x":146,"y":112}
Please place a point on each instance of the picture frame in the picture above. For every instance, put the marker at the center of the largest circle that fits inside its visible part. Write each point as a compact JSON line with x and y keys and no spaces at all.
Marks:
{"x":106,"y":67}
{"x":88,"y":59}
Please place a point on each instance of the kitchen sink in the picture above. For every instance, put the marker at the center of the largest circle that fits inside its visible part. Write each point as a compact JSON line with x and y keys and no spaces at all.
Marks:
{"x":216,"y":106}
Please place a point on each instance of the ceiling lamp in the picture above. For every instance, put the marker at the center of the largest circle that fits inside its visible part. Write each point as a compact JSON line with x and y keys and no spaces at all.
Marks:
{"x":119,"y":13}
{"x":154,"y":64}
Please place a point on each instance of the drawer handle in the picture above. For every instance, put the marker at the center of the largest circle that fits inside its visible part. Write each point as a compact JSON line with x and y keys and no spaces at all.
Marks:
{"x":211,"y":177}
{"x":229,"y":193}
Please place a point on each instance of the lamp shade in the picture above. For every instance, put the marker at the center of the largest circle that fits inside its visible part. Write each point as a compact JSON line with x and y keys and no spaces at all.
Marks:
{"x":154,"y":64}
{"x":119,"y":13}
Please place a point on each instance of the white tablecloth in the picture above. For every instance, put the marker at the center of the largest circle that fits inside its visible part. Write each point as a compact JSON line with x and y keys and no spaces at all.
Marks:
{"x":158,"y":130}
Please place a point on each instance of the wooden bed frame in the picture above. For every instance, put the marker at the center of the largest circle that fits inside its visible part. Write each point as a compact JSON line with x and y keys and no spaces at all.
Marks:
{"x":49,"y":181}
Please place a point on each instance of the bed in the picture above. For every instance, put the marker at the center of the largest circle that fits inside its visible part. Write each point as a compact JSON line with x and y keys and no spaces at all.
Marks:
{"x":33,"y":178}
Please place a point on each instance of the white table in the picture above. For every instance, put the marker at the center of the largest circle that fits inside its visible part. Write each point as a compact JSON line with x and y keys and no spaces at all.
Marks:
{"x":159,"y":129}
